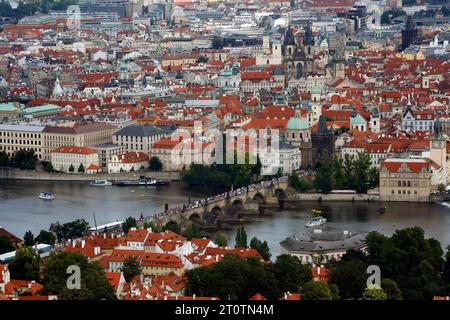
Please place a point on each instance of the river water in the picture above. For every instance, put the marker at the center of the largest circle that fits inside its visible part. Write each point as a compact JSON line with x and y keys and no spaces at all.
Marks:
{"x":22,"y":210}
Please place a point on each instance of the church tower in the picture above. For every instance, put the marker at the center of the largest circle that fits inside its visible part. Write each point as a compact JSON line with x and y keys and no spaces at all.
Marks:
{"x":438,"y":152}
{"x":298,"y":133}
{"x":375,"y":121}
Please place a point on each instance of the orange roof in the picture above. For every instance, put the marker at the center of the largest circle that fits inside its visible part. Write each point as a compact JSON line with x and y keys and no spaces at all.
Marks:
{"x":258,"y":296}
{"x":416,"y":167}
{"x":114,"y":279}
{"x":167,"y":260}
{"x":74,"y":150}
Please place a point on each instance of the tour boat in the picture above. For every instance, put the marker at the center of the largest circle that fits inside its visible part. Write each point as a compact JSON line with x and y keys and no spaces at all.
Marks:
{"x":101,"y":183}
{"x":316,"y":212}
{"x":143,"y":181}
{"x":46,"y":196}
{"x":316,"y":221}
{"x":382,"y":210}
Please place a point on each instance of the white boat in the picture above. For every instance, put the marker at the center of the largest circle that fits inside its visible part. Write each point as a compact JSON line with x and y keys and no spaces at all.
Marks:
{"x":316,"y":221}
{"x":46,"y":196}
{"x":101,"y":183}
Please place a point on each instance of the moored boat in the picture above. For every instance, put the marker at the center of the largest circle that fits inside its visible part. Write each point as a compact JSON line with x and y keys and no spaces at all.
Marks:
{"x":46,"y":196}
{"x":101,"y":183}
{"x":316,"y":221}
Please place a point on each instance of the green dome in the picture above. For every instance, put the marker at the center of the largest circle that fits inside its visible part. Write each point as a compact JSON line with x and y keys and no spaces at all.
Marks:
{"x":297,"y":122}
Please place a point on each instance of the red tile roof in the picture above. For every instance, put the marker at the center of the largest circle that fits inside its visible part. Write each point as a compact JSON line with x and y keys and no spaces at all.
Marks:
{"x":75,"y":150}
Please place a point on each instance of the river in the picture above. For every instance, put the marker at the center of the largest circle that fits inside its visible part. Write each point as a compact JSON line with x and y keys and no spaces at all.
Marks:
{"x":22,"y":210}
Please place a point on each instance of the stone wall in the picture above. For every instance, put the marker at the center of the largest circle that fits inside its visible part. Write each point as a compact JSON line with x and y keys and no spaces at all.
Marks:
{"x":13,"y":173}
{"x":333,"y":197}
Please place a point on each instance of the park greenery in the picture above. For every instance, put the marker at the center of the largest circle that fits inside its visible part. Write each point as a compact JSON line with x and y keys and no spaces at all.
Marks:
{"x":221,"y":177}
{"x":412,"y":268}
{"x":21,"y":159}
{"x":25,"y":265}
{"x":69,"y":230}
{"x":94,"y":284}
{"x":347,"y":173}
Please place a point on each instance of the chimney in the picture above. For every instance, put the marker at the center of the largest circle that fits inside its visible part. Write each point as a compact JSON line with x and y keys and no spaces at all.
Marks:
{"x":193,"y":296}
{"x":83,"y":243}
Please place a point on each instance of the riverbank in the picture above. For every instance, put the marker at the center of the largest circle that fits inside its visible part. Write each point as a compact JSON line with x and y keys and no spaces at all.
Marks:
{"x":17,"y":174}
{"x":294,"y":197}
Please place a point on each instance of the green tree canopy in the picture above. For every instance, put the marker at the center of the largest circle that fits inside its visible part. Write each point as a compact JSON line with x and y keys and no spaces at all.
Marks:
{"x":323,"y":181}
{"x":46,"y":237}
{"x":25,"y":265}
{"x":262,"y":247}
{"x":28,"y":239}
{"x":192,"y":231}
{"x":316,"y":290}
{"x":233,"y":278}
{"x":129,"y":223}
{"x":5,"y":245}
{"x":391,"y":289}
{"x":350,"y":277}
{"x":81,"y":168}
{"x":374,"y":294}
{"x":94,"y":285}
{"x":299,"y":184}
{"x":155,"y":164}
{"x":290,"y":273}
{"x":131,"y":268}
{"x":4,"y":159}
{"x":241,"y":238}
{"x":220,"y":239}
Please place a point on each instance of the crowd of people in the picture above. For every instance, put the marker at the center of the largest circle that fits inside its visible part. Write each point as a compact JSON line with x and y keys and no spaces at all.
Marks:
{"x":213,"y":199}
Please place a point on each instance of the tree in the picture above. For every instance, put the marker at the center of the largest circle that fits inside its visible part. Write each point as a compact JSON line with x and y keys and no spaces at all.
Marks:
{"x":374,"y":294}
{"x":192,"y":231}
{"x":262,"y":248}
{"x":129,"y":223}
{"x":94,"y":285}
{"x":24,"y":159}
{"x":152,"y":225}
{"x":71,"y":168}
{"x":362,"y":166}
{"x":155,"y":164}
{"x":202,"y":59}
{"x":48,"y":167}
{"x":221,"y":240}
{"x":290,"y":273}
{"x":241,"y":238}
{"x":233,"y":278}
{"x":131,"y":268}
{"x":81,"y":168}
{"x":316,"y":290}
{"x":446,"y":269}
{"x":4,"y":159}
{"x":297,"y":183}
{"x":415,"y":263}
{"x":28,"y":239}
{"x":391,"y":289}
{"x":45,"y":237}
{"x":441,"y":187}
{"x":25,"y":265}
{"x":350,"y":277}
{"x":323,"y":181}
{"x":5,"y":245}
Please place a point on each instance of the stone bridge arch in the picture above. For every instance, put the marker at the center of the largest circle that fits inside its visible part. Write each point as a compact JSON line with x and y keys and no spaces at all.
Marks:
{"x":260,"y":197}
{"x":211,"y":216}
{"x":195,"y":218}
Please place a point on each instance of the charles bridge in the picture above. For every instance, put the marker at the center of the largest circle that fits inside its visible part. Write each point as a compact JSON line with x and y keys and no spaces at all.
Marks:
{"x":212,"y":210}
